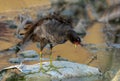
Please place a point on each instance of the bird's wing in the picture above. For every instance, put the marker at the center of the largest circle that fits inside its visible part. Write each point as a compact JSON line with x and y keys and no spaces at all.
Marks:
{"x":56,"y":31}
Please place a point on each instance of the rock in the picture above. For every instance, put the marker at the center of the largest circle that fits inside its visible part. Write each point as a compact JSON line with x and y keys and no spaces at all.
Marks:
{"x":81,"y":28}
{"x":70,"y":72}
{"x":59,"y":58}
{"x":13,"y":26}
{"x":29,"y":54}
{"x":68,"y":1}
{"x":35,"y":59}
{"x":115,"y":46}
{"x":15,"y":60}
{"x":57,"y":1}
{"x":72,"y":1}
{"x":68,"y":12}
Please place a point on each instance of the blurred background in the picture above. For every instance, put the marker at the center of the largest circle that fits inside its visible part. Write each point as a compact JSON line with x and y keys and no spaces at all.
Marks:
{"x":96,"y":21}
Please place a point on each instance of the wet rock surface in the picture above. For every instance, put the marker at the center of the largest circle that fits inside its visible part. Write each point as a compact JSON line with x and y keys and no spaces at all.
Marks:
{"x":28,"y":54}
{"x":69,"y":71}
{"x":15,"y":60}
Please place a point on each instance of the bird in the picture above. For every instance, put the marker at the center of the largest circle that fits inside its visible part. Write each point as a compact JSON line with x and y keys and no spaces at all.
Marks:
{"x":52,"y":29}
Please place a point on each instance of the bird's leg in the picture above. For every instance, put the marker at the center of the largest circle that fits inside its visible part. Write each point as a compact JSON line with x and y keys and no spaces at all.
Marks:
{"x":41,"y":59}
{"x":51,"y":66}
{"x":41,"y":66}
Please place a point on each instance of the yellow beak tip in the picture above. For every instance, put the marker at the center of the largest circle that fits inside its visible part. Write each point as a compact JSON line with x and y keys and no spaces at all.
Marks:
{"x":75,"y":46}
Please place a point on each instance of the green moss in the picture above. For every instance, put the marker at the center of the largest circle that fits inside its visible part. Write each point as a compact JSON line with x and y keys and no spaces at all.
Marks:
{"x":16,"y":77}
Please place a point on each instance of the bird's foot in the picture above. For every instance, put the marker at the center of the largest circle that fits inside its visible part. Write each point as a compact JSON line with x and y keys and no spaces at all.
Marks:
{"x":43,"y":70}
{"x":51,"y":67}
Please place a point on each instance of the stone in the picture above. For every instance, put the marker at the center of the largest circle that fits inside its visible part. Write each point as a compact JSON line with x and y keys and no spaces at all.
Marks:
{"x":71,"y":71}
{"x":29,"y":54}
{"x":15,"y":60}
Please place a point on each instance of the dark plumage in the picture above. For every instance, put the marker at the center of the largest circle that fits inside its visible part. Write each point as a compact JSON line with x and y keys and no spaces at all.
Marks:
{"x":53,"y":29}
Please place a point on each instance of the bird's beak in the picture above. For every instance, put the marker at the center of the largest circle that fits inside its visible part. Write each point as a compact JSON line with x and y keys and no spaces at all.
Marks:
{"x":75,"y":45}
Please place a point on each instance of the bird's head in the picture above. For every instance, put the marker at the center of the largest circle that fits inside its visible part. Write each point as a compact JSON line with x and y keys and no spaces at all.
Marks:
{"x":77,"y":41}
{"x":74,"y":38}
